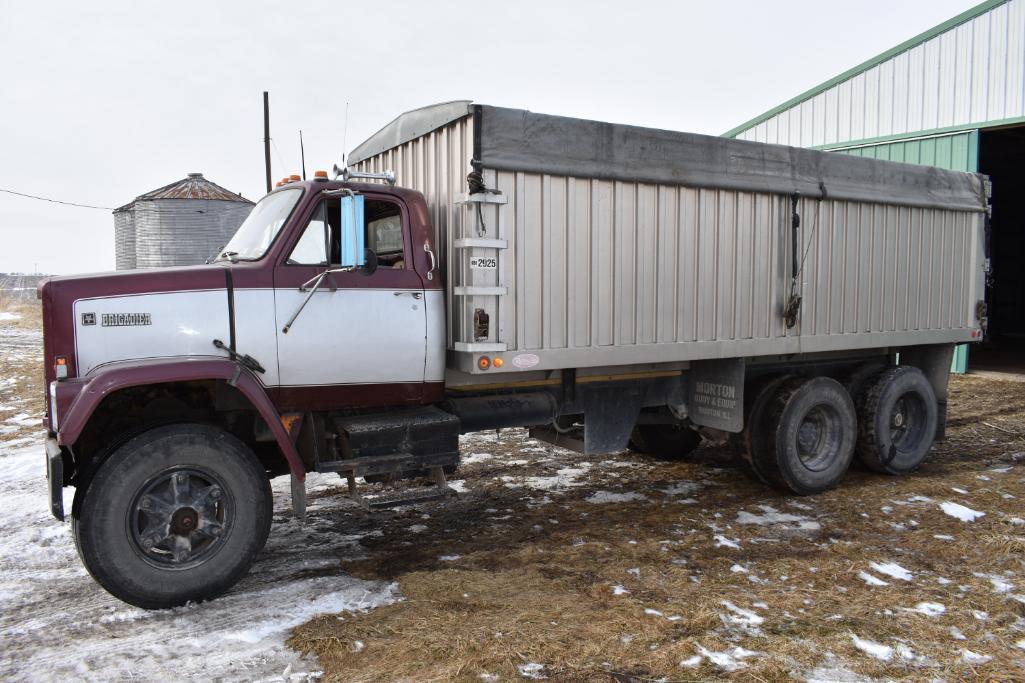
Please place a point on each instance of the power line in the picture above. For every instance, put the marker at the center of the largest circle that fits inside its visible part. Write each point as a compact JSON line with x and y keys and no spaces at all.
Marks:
{"x":57,"y":201}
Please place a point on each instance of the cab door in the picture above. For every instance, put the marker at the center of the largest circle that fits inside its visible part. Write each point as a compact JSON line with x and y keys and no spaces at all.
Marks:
{"x":360,"y":340}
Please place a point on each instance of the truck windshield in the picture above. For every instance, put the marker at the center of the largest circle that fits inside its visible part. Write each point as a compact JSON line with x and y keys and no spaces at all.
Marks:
{"x":261,"y":226}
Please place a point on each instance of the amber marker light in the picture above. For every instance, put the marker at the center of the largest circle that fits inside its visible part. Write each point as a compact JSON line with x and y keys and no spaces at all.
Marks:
{"x":498,"y":362}
{"x":320,"y":175}
{"x":60,"y":367}
{"x":483,"y":362}
{"x":294,"y":178}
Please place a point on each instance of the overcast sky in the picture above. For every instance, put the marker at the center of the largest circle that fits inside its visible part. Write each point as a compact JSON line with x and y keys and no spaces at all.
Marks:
{"x":103,"y":101}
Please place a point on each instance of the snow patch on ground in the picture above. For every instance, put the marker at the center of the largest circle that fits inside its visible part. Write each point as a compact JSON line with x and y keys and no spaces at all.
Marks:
{"x":682,"y":488}
{"x":7,"y":315}
{"x":974,"y":657}
{"x":474,"y":458}
{"x":599,"y":497}
{"x":929,"y":609}
{"x":772,"y":517}
{"x":723,"y":542}
{"x":567,"y":477}
{"x":873,"y":649}
{"x":532,"y":671}
{"x":745,"y":619}
{"x":728,"y":660}
{"x":892,"y":569}
{"x":958,"y":511}
{"x":1000,"y":583}
{"x":871,"y":580}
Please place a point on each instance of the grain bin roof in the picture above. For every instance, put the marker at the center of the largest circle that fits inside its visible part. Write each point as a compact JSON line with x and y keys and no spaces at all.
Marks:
{"x":195,"y":186}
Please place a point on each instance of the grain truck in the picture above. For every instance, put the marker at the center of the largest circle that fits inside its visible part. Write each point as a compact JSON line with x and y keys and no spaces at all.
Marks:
{"x":478,"y":267}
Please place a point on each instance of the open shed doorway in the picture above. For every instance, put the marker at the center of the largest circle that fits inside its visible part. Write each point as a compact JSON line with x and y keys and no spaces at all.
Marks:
{"x":1002,"y":158}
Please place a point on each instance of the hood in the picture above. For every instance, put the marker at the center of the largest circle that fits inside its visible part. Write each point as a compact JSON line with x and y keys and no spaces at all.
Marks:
{"x":99,"y":318}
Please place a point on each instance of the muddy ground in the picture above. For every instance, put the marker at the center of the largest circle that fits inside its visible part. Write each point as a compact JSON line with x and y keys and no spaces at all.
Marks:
{"x":572,"y":568}
{"x":554,"y":565}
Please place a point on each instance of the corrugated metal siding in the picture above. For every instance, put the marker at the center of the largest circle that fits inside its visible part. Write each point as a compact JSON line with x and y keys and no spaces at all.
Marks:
{"x":958,"y":152}
{"x":601,"y":264}
{"x":656,"y":264}
{"x":180,"y":232}
{"x":124,"y":239}
{"x":970,"y":74}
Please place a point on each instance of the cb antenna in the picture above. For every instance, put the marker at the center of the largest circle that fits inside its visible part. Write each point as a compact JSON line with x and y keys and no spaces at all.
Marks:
{"x":345,"y":133}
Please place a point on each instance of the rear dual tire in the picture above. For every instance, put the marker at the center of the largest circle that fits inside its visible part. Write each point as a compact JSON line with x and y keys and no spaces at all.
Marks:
{"x":898,"y":417}
{"x":802,"y":433}
{"x":804,"y":438}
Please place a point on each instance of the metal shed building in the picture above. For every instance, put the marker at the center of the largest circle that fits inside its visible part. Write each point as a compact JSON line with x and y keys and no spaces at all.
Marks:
{"x":180,"y":224}
{"x":952,"y":97}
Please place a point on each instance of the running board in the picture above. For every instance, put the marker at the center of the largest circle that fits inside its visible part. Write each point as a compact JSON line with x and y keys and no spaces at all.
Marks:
{"x":386,"y":464}
{"x":440,"y":490}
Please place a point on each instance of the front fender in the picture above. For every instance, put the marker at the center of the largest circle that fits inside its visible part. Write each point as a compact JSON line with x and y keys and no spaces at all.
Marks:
{"x":82,"y":396}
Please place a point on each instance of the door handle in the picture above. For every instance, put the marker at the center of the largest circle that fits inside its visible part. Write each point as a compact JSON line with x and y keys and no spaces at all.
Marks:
{"x":415,"y":295}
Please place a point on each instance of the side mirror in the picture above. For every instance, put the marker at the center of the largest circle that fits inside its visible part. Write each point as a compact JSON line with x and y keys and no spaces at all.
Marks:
{"x":369,"y":262}
{"x":353,"y":241}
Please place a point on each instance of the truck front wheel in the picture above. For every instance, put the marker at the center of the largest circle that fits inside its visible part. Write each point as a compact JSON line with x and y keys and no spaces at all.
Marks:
{"x":176,"y":514}
{"x":805,"y":438}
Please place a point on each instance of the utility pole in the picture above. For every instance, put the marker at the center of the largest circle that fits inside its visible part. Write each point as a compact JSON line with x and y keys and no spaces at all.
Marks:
{"x":266,"y":137}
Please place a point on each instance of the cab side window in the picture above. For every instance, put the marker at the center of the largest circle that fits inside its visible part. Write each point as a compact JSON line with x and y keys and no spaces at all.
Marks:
{"x":317,"y":237}
{"x":383,"y":233}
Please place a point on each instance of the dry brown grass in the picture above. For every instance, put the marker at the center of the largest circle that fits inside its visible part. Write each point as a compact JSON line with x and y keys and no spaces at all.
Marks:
{"x":538,"y":586}
{"x":21,"y":369}
{"x":29,"y":311}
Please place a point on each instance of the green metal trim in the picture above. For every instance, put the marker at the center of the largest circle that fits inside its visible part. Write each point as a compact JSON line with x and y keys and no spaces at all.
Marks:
{"x":959,"y":363}
{"x":973,"y":151}
{"x":932,"y":132}
{"x":865,"y":66}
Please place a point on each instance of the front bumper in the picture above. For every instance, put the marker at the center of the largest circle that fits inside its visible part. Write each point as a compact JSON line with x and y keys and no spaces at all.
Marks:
{"x":55,"y":475}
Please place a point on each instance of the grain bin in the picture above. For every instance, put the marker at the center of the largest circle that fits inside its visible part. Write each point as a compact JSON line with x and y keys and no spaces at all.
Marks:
{"x":180,"y":224}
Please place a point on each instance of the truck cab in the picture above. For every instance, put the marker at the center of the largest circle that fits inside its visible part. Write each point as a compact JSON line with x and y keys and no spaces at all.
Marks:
{"x":327,"y":304}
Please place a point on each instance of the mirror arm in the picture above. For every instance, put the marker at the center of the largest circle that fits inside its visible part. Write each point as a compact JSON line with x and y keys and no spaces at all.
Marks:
{"x":317,"y":280}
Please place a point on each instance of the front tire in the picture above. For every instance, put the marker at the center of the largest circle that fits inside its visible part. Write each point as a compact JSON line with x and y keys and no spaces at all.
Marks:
{"x":176,"y":514}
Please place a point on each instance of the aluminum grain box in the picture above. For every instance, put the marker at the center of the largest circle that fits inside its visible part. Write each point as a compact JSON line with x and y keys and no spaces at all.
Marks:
{"x":600,"y":244}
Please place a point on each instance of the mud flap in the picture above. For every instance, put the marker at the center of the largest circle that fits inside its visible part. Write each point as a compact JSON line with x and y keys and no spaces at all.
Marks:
{"x":55,"y":477}
{"x":715,"y":393}
{"x":934,"y":361}
{"x":610,"y":414}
